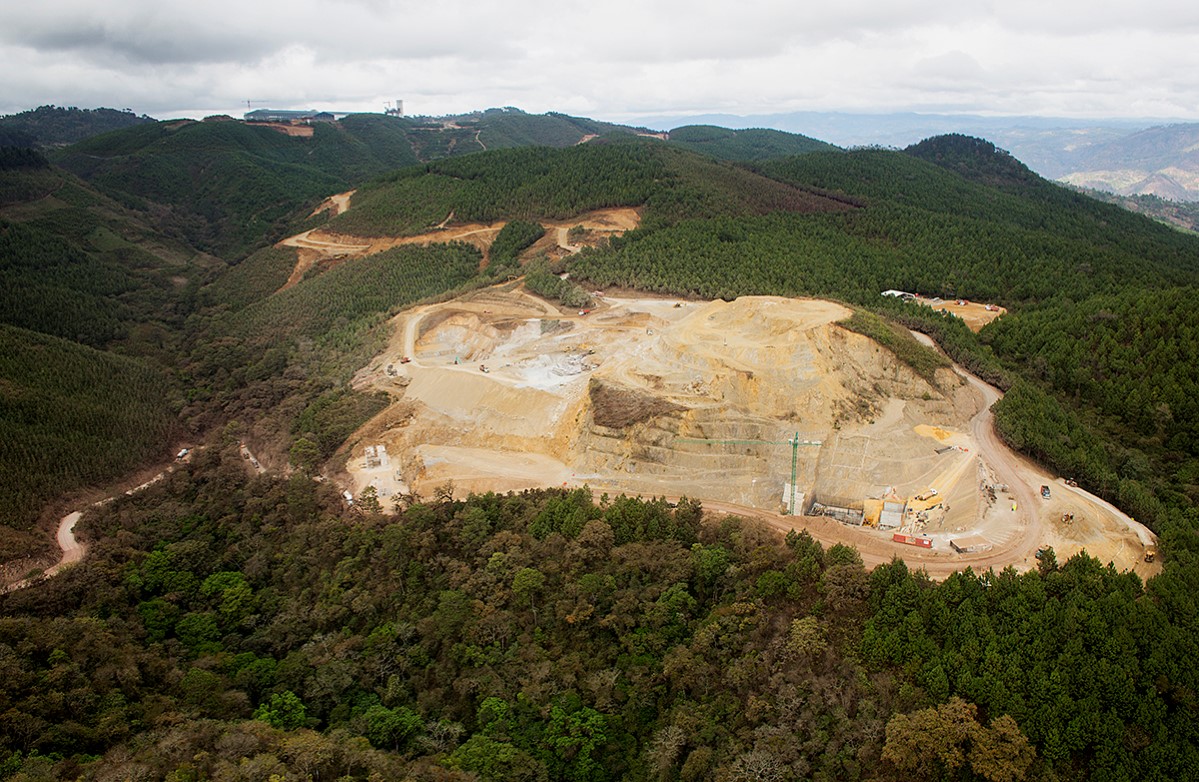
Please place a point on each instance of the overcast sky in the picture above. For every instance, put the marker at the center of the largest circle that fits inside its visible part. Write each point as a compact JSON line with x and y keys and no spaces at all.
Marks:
{"x":607,"y":59}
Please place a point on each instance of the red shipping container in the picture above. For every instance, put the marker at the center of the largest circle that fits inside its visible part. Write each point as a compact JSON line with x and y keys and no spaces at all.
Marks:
{"x":912,"y":540}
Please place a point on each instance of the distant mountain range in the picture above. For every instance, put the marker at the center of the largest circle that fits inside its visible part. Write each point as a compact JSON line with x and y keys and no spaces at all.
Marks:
{"x":1128,"y":157}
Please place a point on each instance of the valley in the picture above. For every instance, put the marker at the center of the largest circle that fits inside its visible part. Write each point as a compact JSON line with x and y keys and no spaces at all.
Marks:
{"x":602,"y":460}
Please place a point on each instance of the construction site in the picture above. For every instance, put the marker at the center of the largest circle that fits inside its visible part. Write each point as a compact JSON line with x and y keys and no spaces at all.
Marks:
{"x":762,"y":406}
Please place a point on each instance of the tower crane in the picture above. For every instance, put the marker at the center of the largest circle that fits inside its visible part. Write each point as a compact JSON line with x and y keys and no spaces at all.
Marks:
{"x":792,"y":441}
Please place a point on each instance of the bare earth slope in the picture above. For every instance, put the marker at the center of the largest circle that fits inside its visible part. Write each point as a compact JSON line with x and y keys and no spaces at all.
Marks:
{"x":318,"y":247}
{"x":503,"y":391}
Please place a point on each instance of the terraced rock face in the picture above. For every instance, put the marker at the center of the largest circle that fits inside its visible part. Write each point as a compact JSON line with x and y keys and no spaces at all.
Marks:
{"x":503,"y":391}
{"x":645,"y":395}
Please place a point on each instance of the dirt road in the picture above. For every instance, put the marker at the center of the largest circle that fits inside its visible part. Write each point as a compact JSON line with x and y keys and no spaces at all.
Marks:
{"x":564,"y":241}
{"x":72,"y":550}
{"x":249,"y":457}
{"x":1024,"y":478}
{"x":334,"y":204}
{"x":325,"y":248}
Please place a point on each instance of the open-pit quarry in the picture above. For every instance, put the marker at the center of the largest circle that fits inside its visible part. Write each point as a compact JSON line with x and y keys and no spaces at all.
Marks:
{"x":500,"y":390}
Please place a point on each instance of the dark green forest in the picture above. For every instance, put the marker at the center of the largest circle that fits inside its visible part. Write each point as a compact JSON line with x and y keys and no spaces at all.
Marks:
{"x":73,"y":416}
{"x":535,"y":182}
{"x":228,"y":627}
{"x":50,"y":126}
{"x":93,"y":303}
{"x":744,"y":145}
{"x":228,"y":187}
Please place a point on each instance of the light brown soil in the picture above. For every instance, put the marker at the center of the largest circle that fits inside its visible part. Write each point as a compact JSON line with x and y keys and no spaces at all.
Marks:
{"x":334,"y":204}
{"x":321,"y":247}
{"x":700,"y":399}
{"x":286,"y":128}
{"x":974,"y":314}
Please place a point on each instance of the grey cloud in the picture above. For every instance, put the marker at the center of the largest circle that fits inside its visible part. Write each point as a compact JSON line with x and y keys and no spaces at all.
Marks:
{"x":604,"y":58}
{"x":115,"y":36}
{"x":951,"y":69}
{"x":1074,"y":19}
{"x":219,"y":31}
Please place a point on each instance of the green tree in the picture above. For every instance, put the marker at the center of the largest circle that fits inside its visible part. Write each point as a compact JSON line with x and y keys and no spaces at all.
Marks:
{"x":305,"y":455}
{"x":526,"y":586}
{"x":391,"y":728}
{"x":284,"y":710}
{"x":368,"y":501}
{"x":574,"y":740}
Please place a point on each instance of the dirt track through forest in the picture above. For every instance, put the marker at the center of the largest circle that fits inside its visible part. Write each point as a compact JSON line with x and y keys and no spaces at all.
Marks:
{"x":318,"y":247}
{"x":73,"y":551}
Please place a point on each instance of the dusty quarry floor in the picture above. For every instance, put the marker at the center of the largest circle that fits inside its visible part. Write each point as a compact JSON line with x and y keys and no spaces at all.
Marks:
{"x":677,"y":398}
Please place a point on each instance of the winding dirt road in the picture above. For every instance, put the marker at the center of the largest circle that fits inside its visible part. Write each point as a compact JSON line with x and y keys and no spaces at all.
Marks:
{"x":319,"y":246}
{"x":74,"y":551}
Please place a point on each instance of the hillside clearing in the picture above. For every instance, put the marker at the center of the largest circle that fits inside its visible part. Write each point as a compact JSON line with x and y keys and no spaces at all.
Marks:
{"x":318,"y":247}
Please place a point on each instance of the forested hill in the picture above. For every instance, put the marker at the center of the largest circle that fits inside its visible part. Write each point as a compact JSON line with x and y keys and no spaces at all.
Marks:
{"x":538,"y":182}
{"x":975,"y":159}
{"x":500,"y":128}
{"x":230,"y":187}
{"x":225,"y":627}
{"x":94,"y":301}
{"x":744,"y":145}
{"x":48,"y":126}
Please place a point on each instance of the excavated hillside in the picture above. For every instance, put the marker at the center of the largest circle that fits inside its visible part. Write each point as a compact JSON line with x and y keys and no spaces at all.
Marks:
{"x":651,"y":395}
{"x":500,"y":390}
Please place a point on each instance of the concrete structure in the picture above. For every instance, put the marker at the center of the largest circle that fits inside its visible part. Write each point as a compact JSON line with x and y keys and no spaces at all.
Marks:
{"x":892,"y":513}
{"x":970,"y":544}
{"x":843,"y":509}
{"x":800,"y":500}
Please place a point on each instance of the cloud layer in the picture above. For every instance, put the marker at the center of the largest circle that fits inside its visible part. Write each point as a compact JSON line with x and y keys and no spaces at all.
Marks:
{"x":608,"y":60}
